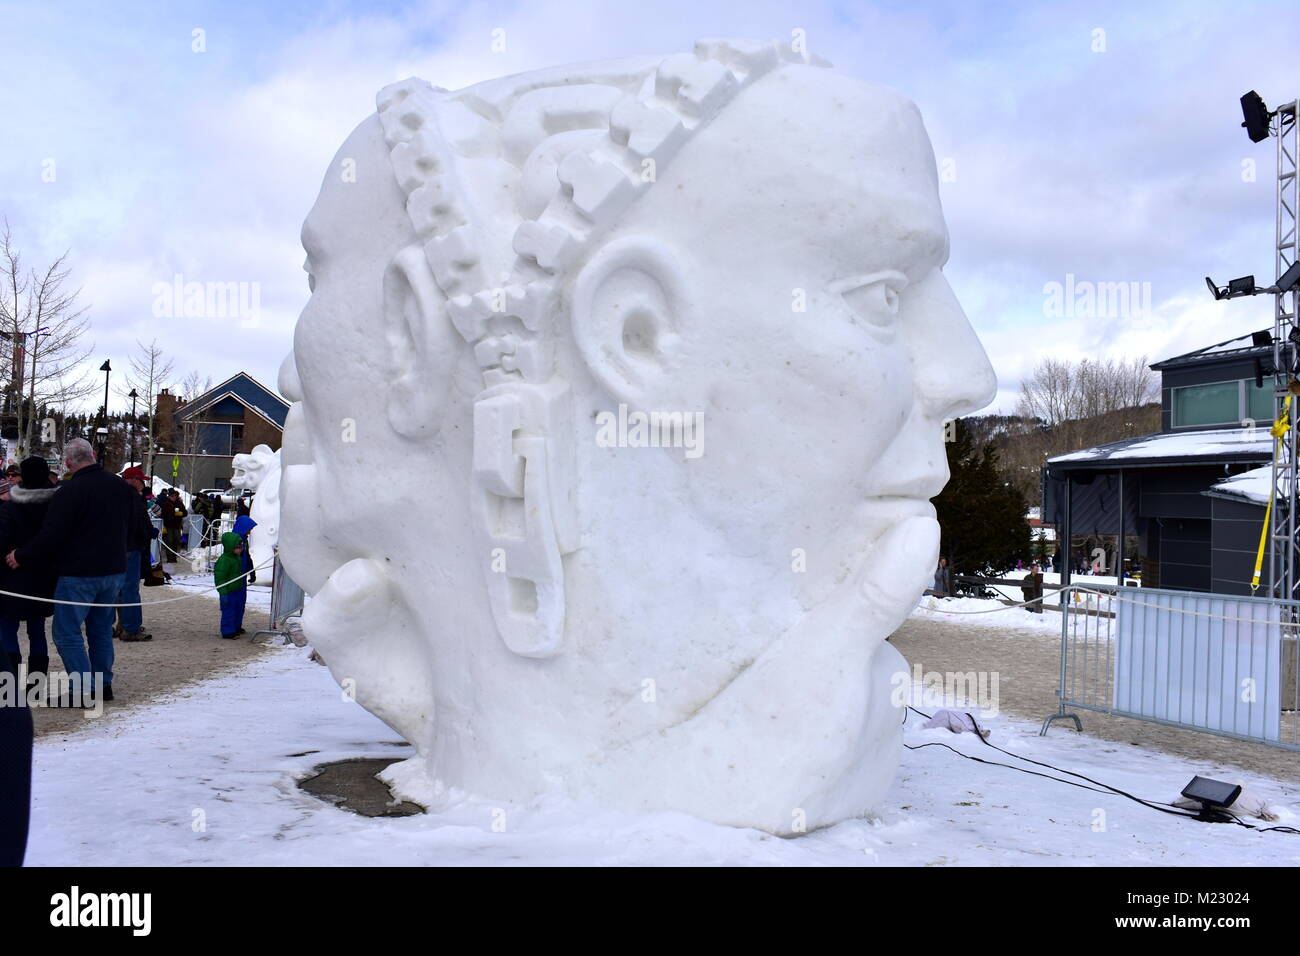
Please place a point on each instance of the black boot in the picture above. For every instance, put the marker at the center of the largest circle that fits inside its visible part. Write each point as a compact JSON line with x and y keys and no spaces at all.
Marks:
{"x":37,"y":674}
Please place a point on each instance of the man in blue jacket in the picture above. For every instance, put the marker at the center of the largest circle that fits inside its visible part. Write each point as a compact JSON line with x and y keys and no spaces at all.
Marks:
{"x":85,"y":535}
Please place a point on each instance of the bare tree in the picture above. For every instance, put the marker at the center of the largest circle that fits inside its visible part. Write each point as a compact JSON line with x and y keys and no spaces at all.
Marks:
{"x":191,"y":435}
{"x":41,"y":318}
{"x":1065,"y":406}
{"x":1058,"y":391}
{"x":150,"y":372}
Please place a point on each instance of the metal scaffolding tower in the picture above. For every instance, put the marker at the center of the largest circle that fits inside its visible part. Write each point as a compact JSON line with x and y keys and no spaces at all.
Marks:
{"x":1283,"y":541}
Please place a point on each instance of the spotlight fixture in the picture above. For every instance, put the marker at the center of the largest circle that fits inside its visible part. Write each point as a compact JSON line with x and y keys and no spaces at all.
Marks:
{"x":1235,"y":289}
{"x":1214,"y":796}
{"x":1289,"y":279}
{"x":1261,"y":339}
{"x":1243,"y":286}
{"x":1256,"y":116}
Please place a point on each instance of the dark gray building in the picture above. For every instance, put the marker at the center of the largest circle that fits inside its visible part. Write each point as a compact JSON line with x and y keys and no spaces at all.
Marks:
{"x":1188,"y":501}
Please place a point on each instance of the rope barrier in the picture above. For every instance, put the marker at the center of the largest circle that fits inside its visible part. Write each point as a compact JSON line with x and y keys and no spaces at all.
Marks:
{"x":183,"y":597}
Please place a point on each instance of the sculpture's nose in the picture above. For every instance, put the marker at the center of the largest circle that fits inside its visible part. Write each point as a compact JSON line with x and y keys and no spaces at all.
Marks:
{"x":952,"y":375}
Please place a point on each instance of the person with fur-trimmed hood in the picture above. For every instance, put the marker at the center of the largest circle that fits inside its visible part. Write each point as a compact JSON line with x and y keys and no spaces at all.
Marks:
{"x":21,"y":518}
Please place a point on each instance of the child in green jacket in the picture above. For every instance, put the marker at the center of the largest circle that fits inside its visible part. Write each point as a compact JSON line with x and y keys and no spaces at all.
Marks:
{"x":231,"y":585}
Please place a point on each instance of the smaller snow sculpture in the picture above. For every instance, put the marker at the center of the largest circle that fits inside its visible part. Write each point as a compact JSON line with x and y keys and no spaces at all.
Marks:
{"x":259,"y":472}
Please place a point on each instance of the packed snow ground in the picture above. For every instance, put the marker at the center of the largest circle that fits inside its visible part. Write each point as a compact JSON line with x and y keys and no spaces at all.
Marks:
{"x":209,"y":777}
{"x":986,"y":612}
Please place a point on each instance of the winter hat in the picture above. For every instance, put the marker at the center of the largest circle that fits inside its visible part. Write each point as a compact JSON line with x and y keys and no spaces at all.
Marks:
{"x":35,"y":472}
{"x":135,"y":472}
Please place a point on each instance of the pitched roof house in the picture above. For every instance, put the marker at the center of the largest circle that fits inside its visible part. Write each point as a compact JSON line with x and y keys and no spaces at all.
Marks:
{"x":199,"y":437}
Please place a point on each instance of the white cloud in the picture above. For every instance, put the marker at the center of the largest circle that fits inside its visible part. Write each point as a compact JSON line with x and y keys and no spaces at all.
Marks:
{"x":1118,"y":166}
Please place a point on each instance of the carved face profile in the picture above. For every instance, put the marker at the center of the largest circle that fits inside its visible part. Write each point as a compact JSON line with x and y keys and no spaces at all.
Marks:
{"x":505,"y":277}
{"x":250,"y":468}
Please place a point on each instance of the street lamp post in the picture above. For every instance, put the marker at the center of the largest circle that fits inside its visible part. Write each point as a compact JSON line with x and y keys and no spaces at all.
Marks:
{"x":106,"y":368}
{"x":133,"y":396}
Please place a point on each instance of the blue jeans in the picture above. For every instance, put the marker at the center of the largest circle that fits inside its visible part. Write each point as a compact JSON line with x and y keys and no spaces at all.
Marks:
{"x":232,"y":611}
{"x":68,"y":619}
{"x":132,"y":617}
{"x":36,"y":646}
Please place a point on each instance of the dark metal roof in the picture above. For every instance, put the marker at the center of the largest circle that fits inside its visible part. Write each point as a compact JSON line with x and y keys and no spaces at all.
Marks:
{"x":1240,"y":347}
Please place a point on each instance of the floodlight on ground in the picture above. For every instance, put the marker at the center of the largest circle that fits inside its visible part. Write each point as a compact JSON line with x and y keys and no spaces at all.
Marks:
{"x":1214,"y":796}
{"x":1256,"y":116}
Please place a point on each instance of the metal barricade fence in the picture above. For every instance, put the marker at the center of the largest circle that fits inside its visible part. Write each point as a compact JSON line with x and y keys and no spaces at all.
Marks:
{"x":287,"y":598}
{"x":1216,"y":663}
{"x":193,"y":526}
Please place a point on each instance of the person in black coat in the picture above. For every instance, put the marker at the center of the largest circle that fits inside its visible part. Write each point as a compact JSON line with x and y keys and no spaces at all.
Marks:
{"x":140,"y":535}
{"x":21,"y":518}
{"x":85,"y":534}
{"x":15,"y":774}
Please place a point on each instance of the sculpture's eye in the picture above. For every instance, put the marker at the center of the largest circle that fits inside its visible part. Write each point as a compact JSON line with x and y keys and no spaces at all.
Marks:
{"x":873,"y":298}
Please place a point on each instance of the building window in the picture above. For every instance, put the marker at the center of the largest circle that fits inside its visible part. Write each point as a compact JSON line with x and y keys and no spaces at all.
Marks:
{"x":1222,"y":403}
{"x":1217,"y":404}
{"x":236,"y":439}
{"x":1259,"y":402}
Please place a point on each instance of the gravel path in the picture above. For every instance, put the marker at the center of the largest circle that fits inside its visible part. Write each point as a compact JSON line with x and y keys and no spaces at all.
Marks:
{"x":186,"y":648}
{"x":1027,"y":663}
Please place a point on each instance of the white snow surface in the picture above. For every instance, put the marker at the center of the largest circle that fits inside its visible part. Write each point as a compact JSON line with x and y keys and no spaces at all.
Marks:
{"x":1219,"y":441}
{"x":979,"y":612}
{"x":233,"y":747}
{"x":1253,"y":485}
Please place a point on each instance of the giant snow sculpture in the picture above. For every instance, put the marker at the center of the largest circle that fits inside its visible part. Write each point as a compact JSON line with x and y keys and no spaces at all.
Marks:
{"x":618,"y":409}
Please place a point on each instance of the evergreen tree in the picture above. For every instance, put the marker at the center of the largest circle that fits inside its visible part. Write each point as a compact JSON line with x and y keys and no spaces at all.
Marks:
{"x":981,"y":515}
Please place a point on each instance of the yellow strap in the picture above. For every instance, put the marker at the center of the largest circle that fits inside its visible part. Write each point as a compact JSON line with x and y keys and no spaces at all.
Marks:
{"x":1278,"y":431}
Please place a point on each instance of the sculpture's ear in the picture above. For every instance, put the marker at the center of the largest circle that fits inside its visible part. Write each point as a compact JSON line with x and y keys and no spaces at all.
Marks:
{"x":421,"y":346}
{"x":628,"y":305}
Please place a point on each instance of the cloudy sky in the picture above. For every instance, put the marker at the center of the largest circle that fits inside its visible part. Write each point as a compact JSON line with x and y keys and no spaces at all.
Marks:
{"x":1087,"y":139}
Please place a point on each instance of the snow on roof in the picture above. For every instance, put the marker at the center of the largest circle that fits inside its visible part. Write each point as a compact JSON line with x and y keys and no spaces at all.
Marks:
{"x":1218,"y":442}
{"x":1253,"y":486}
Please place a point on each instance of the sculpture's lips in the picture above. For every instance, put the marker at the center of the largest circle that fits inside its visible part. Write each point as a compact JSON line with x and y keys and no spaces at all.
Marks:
{"x":898,"y":507}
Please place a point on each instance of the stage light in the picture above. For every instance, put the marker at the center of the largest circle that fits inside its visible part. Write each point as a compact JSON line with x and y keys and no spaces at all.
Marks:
{"x":1289,"y":279}
{"x":1243,"y":286}
{"x":1214,"y":796}
{"x":1261,"y":339}
{"x":1256,"y":116}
